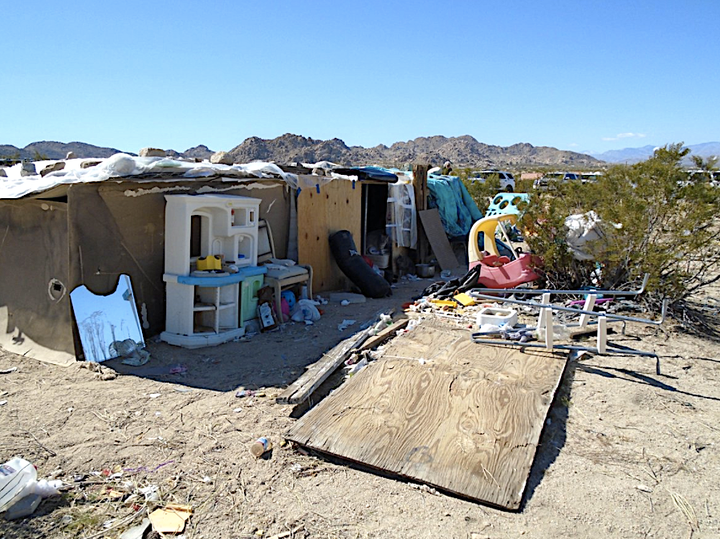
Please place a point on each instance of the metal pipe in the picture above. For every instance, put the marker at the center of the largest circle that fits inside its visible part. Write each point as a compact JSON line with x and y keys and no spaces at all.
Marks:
{"x":578,"y":311}
{"x":609,"y":350}
{"x":646,"y":278}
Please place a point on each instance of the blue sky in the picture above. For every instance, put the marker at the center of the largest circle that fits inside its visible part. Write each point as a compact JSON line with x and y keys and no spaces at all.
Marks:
{"x":577,"y":75}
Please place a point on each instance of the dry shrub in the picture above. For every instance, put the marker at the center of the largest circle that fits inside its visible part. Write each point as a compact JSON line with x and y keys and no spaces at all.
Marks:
{"x":668,"y":226}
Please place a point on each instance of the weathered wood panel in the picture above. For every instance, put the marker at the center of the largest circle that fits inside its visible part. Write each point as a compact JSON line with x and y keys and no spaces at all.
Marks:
{"x":466,"y":419}
{"x":336,"y":207}
{"x":432,"y":225}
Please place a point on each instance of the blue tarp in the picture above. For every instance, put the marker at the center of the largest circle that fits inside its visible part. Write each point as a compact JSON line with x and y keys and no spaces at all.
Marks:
{"x":458,"y":211}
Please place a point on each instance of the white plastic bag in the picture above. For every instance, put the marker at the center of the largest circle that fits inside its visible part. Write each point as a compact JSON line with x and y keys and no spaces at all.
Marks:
{"x":305,"y":310}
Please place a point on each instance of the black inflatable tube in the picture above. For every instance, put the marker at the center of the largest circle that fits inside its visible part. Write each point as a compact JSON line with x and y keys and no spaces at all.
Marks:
{"x":353,"y":265}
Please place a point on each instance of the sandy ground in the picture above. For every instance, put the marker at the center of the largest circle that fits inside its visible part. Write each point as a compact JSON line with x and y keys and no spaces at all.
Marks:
{"x":625,"y":452}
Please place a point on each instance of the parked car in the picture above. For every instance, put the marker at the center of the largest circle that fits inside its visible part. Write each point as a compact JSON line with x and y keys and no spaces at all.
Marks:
{"x":507,"y":180}
{"x":587,"y":177}
{"x":544,"y":181}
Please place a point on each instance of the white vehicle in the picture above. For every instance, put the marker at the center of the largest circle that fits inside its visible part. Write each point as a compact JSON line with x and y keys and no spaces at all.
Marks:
{"x":544,"y":181}
{"x":507,"y":180}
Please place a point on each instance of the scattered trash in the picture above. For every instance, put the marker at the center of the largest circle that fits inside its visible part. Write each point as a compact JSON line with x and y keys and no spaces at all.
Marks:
{"x":15,"y":475}
{"x":170,"y":519}
{"x":644,"y":488}
{"x":244,"y":393}
{"x":305,"y":310}
{"x":345,"y":324}
{"x":154,"y":395}
{"x":178,"y":369}
{"x":43,"y":488}
{"x":3,"y":403}
{"x":8,"y":371}
{"x":150,"y":492}
{"x":260,"y":447}
{"x":146,"y":469}
{"x":132,"y":353}
{"x":357,"y":367}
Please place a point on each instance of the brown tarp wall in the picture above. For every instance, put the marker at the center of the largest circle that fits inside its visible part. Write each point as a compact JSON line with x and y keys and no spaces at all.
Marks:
{"x":34,"y":301}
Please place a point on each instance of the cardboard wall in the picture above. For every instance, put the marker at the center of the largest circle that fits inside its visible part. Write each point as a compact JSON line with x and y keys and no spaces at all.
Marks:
{"x":35,"y":316}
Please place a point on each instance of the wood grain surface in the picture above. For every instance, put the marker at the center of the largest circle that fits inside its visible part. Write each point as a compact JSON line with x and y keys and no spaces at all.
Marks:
{"x":336,"y":207}
{"x":442,"y":410}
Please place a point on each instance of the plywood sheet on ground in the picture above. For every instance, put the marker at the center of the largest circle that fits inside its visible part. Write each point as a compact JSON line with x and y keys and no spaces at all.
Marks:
{"x":442,"y":410}
{"x":336,"y":207}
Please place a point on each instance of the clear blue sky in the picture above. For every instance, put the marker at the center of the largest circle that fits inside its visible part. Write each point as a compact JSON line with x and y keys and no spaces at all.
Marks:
{"x":577,"y":75}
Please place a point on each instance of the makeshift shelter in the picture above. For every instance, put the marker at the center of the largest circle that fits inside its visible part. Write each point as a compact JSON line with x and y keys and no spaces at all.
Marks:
{"x":87,"y":225}
{"x":75,"y":227}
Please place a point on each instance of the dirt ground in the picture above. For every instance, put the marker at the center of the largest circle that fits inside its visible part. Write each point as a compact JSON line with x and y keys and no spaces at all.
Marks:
{"x":625,"y":452}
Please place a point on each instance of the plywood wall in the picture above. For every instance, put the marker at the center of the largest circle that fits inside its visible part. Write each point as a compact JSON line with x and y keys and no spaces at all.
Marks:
{"x":338,"y":206}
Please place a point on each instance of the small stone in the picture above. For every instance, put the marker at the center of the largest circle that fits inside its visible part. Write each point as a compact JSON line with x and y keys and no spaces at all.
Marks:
{"x":3,"y":173}
{"x":152,"y":152}
{"x":70,"y":155}
{"x":52,"y":168}
{"x":90,"y":163}
{"x":221,"y":158}
{"x":28,"y":169}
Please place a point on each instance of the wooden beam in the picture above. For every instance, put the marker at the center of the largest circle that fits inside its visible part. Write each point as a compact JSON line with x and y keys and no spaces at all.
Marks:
{"x":385,"y":334}
{"x":301,"y":389}
{"x":421,"y":195}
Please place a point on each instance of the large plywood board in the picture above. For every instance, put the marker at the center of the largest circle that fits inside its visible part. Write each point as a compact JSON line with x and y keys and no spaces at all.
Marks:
{"x":336,"y":207}
{"x":439,"y":409}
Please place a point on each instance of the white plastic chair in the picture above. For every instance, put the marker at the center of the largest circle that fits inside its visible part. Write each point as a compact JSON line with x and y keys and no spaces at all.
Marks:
{"x":280,"y":275}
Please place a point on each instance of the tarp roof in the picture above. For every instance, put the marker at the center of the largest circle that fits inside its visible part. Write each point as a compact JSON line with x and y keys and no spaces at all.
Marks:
{"x":123,"y":166}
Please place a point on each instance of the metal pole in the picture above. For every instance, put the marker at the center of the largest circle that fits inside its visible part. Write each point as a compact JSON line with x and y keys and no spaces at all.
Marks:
{"x":576,"y":311}
{"x":646,"y":278}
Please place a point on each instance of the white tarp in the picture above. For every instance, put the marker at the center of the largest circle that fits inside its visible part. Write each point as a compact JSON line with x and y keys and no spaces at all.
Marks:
{"x":122,"y":165}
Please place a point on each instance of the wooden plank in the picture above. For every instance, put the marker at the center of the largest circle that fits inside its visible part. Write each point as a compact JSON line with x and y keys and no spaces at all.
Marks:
{"x":301,"y":389}
{"x":432,"y":225}
{"x":385,"y":334}
{"x":421,"y":195}
{"x":467,"y":419}
{"x":336,"y":207}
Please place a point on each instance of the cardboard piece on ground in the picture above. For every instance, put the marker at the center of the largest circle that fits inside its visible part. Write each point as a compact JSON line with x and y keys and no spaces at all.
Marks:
{"x":438,"y":239}
{"x":170,"y":519}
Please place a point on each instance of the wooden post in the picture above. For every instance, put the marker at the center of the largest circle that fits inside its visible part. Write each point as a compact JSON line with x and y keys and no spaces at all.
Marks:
{"x":421,"y":193}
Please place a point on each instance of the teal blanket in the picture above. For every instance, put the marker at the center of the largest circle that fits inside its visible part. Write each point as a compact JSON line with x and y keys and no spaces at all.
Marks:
{"x":458,"y":210}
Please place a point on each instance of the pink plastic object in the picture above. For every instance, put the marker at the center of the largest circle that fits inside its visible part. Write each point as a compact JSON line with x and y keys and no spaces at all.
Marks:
{"x":508,"y":275}
{"x":497,"y":271}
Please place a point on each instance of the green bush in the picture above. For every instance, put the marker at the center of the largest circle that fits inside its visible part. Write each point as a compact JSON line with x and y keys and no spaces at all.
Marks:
{"x":666,"y":225}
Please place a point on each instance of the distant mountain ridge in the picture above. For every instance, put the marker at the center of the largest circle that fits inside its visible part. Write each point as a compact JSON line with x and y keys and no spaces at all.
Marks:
{"x":635,"y":155}
{"x":55,"y":150}
{"x":463,"y":151}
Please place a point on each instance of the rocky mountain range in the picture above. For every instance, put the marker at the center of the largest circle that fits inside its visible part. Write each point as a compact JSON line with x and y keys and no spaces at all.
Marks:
{"x":464,"y":151}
